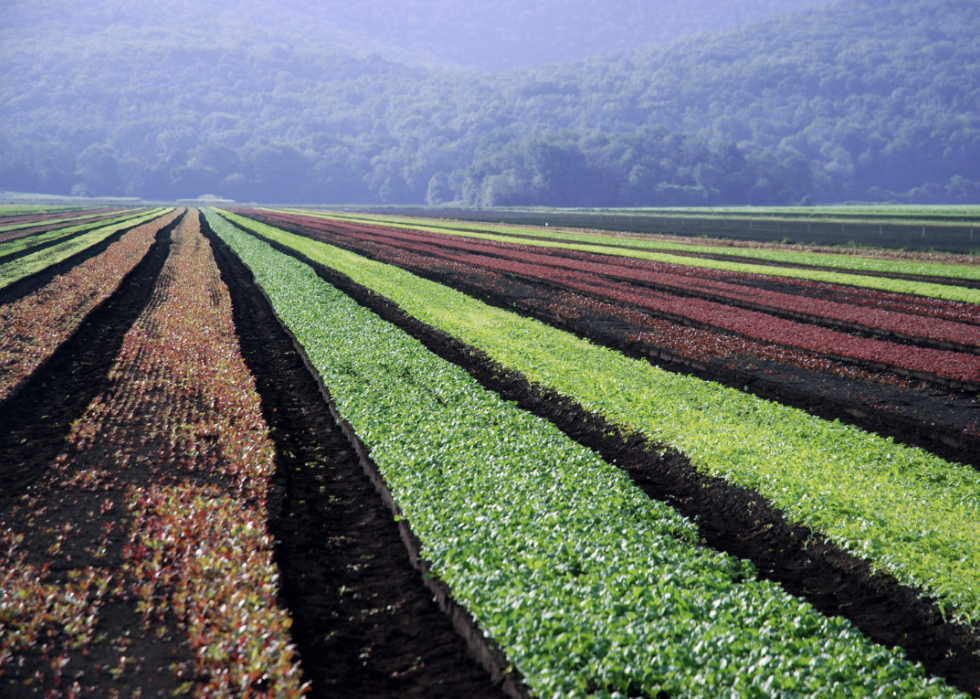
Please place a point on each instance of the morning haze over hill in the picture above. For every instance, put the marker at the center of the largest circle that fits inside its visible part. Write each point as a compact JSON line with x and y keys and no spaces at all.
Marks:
{"x":588,"y":103}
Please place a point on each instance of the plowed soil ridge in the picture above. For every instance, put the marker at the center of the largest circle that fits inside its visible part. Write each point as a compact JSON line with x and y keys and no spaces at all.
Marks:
{"x":731,"y":519}
{"x":37,"y":419}
{"x":365,"y":623}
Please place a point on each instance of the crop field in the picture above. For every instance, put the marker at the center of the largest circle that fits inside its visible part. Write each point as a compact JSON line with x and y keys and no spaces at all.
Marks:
{"x":920,"y":228}
{"x":282,"y":453}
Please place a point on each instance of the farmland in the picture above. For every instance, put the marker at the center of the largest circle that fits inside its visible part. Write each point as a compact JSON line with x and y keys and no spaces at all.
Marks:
{"x":284,"y":453}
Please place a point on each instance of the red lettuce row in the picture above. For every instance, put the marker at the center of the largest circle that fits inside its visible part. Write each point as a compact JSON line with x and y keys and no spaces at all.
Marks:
{"x":852,"y":296}
{"x":753,"y":324}
{"x":172,"y":463}
{"x":37,"y":324}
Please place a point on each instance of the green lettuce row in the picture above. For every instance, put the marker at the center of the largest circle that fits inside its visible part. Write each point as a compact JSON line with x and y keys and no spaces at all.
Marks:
{"x":903,"y":509}
{"x":25,"y":209}
{"x":41,"y":238}
{"x":854,"y":262}
{"x":902,"y":286}
{"x":35,"y":262}
{"x":591,"y":588}
{"x":55,"y":218}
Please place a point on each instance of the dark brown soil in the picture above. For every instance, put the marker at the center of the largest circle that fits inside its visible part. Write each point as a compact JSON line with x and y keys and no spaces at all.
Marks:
{"x":731,"y":519}
{"x":364,"y":622}
{"x":37,"y":418}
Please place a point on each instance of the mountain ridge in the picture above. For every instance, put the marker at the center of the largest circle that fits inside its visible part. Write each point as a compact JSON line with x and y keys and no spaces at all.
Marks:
{"x":861,"y":99}
{"x":488,"y":37}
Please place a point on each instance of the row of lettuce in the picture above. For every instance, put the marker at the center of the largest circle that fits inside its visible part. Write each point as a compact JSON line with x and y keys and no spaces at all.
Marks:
{"x":629,"y":287}
{"x":173,"y":463}
{"x":600,"y":318}
{"x":36,"y":324}
{"x":10,"y":224}
{"x":71,"y":243}
{"x":15,"y":213}
{"x":855,"y":263}
{"x":45,"y":232}
{"x":905,"y":509}
{"x":796,"y":296}
{"x":820,"y":272}
{"x":635,"y":269}
{"x":589,"y":586}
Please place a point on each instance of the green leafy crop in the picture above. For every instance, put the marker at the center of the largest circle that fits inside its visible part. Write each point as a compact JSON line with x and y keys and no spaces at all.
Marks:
{"x":906,"y":511}
{"x":36,"y":261}
{"x":642,"y":249}
{"x":591,"y":588}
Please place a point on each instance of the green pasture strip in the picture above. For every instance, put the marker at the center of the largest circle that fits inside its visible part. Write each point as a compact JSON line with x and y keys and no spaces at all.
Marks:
{"x":591,"y":588}
{"x":903,"y":509}
{"x":35,"y":262}
{"x":631,"y":247}
{"x":47,"y":222}
{"x":31,"y":241}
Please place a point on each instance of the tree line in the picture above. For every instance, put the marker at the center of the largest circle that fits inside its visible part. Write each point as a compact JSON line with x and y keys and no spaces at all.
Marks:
{"x":871,"y":100}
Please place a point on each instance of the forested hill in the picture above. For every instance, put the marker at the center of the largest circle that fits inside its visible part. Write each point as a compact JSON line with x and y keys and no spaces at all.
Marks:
{"x":488,"y":36}
{"x":861,"y":99}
